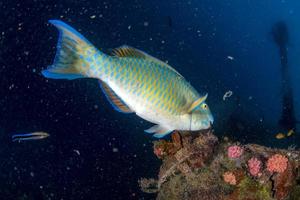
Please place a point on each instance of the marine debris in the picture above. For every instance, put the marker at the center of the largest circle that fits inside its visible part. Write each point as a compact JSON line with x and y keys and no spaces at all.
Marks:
{"x":199,"y":166}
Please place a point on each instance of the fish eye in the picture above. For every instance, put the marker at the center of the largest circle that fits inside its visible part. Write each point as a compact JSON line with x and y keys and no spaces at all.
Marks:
{"x":204,"y":106}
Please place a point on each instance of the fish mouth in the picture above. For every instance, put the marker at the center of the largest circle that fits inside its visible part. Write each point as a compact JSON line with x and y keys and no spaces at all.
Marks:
{"x":211,"y":120}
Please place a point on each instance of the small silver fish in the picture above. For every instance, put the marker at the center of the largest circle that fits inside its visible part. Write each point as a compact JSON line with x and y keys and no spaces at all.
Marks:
{"x":29,"y":136}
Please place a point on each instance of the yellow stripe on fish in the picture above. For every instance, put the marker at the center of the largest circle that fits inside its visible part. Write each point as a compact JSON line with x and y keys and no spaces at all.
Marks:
{"x":132,"y":81}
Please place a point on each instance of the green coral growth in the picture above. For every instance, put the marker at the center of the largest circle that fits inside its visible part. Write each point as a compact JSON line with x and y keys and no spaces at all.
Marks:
{"x":249,"y":188}
{"x":295,"y":194}
{"x":228,"y":164}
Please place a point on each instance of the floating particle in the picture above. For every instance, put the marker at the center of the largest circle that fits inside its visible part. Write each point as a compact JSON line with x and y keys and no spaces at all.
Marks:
{"x":11,"y":86}
{"x":129,"y":27}
{"x":227,"y":95}
{"x":162,"y":41}
{"x":77,"y":152}
{"x":146,"y":23}
{"x":93,"y":16}
{"x":115,"y":150}
{"x":31,"y":174}
{"x":230,"y":58}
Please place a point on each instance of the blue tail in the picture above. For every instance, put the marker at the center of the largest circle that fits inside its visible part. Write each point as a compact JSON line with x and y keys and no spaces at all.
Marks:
{"x":74,"y":56}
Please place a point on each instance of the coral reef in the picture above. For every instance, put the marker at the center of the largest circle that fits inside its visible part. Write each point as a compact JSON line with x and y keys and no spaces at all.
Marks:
{"x":254,"y":166}
{"x":235,"y":151}
{"x":229,"y":178}
{"x":277,"y":163}
{"x":199,"y":166}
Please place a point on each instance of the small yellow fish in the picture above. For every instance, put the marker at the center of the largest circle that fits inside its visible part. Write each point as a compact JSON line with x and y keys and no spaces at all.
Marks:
{"x":280,"y":136}
{"x":290,"y":133}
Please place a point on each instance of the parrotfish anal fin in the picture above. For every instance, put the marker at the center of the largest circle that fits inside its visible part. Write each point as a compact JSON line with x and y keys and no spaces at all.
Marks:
{"x":127,"y":51}
{"x":197,"y":103}
{"x":73,"y":54}
{"x":159,"y":131}
{"x":114,"y":99}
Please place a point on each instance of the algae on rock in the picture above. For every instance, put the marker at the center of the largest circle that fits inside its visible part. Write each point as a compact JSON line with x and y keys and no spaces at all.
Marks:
{"x":193,"y":166}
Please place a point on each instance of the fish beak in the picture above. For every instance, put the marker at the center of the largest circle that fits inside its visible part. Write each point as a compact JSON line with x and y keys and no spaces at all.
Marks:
{"x":211,"y":120}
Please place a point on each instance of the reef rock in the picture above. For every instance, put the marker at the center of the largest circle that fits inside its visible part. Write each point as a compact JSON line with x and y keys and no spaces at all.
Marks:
{"x":199,"y":166}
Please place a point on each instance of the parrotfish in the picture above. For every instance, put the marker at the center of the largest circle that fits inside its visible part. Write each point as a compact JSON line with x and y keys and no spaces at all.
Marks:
{"x":133,"y":82}
{"x":29,"y":136}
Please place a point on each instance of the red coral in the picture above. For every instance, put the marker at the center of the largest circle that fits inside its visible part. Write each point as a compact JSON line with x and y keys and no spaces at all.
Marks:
{"x":277,"y":163}
{"x":158,"y":151}
{"x":235,"y":151}
{"x":230,"y":178}
{"x":254,"y":166}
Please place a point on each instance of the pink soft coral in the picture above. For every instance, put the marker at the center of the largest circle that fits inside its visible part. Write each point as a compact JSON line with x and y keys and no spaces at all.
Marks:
{"x":254,"y":166}
{"x":235,"y":151}
{"x":229,"y":178}
{"x":277,"y":163}
{"x":158,"y":152}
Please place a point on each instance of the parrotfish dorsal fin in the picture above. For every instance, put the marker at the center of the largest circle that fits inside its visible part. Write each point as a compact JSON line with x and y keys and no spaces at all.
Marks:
{"x":197,"y":103}
{"x":114,"y":99}
{"x":127,"y":51}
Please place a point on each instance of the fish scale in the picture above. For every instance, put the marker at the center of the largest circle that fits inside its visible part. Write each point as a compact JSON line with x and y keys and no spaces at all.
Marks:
{"x":133,"y":82}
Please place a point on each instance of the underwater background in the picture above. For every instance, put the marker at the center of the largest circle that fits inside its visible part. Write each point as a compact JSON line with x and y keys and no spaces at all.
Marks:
{"x":94,"y":152}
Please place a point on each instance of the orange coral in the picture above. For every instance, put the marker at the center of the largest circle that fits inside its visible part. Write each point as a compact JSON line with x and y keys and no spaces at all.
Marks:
{"x":277,"y":163}
{"x":230,"y":178}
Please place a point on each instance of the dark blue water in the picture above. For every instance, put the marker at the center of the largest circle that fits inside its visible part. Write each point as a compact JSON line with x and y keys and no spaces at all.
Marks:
{"x":195,"y":37}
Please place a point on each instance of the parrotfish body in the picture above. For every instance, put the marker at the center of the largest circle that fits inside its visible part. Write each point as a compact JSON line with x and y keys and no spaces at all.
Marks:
{"x":133,"y":82}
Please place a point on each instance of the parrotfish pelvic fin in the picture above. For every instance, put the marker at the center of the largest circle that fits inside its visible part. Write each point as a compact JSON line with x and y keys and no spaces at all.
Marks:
{"x":127,"y":51}
{"x":73,"y":54}
{"x":197,"y":103}
{"x":159,"y":131}
{"x":114,"y":99}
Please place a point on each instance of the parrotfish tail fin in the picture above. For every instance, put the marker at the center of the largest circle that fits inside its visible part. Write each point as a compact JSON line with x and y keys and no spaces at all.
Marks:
{"x":159,"y":131}
{"x":75,"y":54}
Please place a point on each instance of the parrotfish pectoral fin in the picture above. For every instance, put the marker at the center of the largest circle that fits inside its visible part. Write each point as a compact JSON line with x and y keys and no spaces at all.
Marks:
{"x":73,"y":54}
{"x":159,"y":131}
{"x":114,"y":99}
{"x":152,"y":129}
{"x":197,"y":103}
